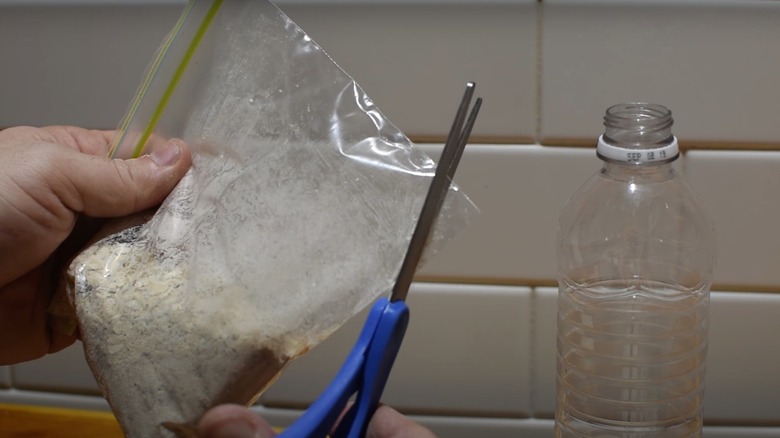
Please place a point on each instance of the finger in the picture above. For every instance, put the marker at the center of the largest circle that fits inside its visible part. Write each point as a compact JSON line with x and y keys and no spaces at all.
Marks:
{"x":87,"y":141}
{"x":233,"y":421}
{"x":101,"y":187}
{"x":97,"y":142}
{"x":389,"y":423}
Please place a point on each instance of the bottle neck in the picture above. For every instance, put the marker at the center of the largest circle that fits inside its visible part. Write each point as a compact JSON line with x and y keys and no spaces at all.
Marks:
{"x":631,"y":172}
{"x":638,"y":133}
{"x":638,"y":125}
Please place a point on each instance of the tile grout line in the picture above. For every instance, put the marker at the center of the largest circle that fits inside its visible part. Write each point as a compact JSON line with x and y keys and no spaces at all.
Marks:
{"x":532,"y":374}
{"x":11,"y":376}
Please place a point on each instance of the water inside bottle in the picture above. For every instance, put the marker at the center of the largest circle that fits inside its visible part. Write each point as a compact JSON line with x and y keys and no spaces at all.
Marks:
{"x":631,"y":359}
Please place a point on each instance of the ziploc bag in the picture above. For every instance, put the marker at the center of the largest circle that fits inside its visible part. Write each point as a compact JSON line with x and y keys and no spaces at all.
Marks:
{"x":295,"y":215}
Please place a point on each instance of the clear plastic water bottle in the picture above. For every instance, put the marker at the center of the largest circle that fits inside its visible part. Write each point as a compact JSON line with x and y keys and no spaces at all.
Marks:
{"x":636,"y":253}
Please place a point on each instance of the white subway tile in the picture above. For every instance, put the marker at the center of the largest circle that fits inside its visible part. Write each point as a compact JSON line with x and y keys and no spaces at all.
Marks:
{"x":65,"y":371}
{"x":466,"y":351}
{"x":414,"y":60}
{"x":544,"y":352}
{"x":743,"y":359}
{"x":5,"y":377}
{"x":520,"y":191}
{"x":82,"y":65}
{"x":711,"y":62}
{"x":76,"y":65}
{"x":741,"y":191}
{"x":740,"y":432}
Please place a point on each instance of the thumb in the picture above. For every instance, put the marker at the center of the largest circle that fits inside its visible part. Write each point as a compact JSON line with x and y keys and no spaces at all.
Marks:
{"x":102,"y":187}
{"x":233,"y":421}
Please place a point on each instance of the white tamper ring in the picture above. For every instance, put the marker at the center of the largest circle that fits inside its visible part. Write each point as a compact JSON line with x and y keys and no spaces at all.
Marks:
{"x":611,"y":152}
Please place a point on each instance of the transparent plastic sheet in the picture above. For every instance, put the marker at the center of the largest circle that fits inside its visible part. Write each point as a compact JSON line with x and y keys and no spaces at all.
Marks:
{"x":295,"y":215}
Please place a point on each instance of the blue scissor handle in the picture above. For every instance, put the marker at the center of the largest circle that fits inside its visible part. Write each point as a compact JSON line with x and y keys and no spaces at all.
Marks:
{"x":381,"y":355}
{"x":365,"y":371}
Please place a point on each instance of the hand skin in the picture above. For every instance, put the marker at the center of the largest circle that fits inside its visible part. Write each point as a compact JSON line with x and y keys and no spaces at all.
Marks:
{"x":50,"y":178}
{"x":232,"y":421}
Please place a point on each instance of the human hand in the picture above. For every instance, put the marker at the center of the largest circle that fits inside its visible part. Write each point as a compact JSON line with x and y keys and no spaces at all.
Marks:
{"x":49,"y":177}
{"x":233,"y":421}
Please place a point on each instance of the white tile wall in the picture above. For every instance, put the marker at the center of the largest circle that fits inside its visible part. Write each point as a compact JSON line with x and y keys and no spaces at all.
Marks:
{"x":741,"y":190}
{"x":5,"y":377}
{"x":415,"y":72}
{"x":479,"y":359}
{"x":519,"y":191}
{"x":481,"y":364}
{"x":713,"y":62}
{"x":545,"y":312}
{"x":65,"y":371}
{"x":76,"y":65}
{"x":743,"y":358}
{"x":740,"y":432}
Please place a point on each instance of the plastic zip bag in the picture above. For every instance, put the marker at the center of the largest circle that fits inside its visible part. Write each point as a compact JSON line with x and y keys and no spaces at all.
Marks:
{"x":295,"y":215}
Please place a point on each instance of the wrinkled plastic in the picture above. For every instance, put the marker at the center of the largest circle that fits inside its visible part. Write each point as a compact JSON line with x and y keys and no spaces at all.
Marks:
{"x":295,"y":215}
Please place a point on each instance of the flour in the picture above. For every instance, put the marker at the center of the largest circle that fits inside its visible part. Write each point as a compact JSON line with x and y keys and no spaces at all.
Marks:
{"x":156,"y":356}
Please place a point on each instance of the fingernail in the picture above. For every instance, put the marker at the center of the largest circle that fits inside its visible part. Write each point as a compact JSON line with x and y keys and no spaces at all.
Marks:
{"x":236,"y":429}
{"x":168,"y":154}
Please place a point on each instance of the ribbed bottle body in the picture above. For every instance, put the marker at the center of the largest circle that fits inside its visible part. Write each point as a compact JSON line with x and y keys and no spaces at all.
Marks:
{"x":635,"y":252}
{"x":631,"y":359}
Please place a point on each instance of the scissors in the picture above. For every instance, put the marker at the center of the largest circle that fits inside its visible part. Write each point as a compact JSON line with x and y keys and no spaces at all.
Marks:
{"x":366,"y":369}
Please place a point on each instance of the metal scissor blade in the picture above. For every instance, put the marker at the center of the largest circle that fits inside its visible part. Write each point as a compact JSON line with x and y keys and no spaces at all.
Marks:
{"x":445,"y":170}
{"x":464,"y":139}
